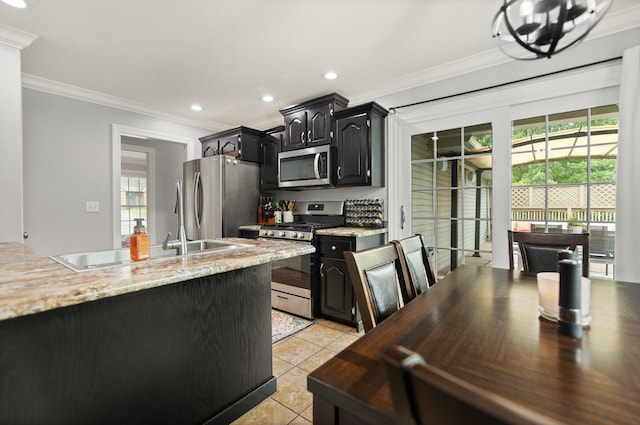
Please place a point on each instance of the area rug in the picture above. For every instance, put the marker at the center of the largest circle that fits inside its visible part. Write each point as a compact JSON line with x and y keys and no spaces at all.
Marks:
{"x":284,"y":325}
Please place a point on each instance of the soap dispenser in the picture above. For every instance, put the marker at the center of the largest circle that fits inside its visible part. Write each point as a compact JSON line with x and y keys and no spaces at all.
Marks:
{"x":139,"y":242}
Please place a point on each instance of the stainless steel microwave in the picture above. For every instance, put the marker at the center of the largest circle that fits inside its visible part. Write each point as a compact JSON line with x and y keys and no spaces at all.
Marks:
{"x":305,"y":167}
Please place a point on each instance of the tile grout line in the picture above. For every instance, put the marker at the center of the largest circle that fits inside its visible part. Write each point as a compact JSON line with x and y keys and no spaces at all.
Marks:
{"x":319,"y":326}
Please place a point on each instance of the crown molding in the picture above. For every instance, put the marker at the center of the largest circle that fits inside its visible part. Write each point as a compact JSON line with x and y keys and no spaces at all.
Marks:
{"x":619,"y":21}
{"x":67,"y":90}
{"x":441,"y":72}
{"x":16,"y":38}
{"x":613,"y":23}
{"x":623,"y":20}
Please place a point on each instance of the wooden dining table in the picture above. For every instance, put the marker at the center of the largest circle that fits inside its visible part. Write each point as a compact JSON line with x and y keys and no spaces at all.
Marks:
{"x":482,"y":325}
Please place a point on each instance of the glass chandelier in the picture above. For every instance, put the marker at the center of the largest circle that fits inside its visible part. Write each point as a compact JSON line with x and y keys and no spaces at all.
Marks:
{"x":534,"y":29}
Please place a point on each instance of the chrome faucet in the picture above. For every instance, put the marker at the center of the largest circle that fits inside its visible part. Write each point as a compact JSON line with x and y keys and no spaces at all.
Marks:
{"x":179,"y":244}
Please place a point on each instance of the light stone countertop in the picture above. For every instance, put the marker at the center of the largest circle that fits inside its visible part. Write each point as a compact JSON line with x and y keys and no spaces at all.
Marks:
{"x":353,"y":232}
{"x":31,"y":284}
{"x":254,"y":227}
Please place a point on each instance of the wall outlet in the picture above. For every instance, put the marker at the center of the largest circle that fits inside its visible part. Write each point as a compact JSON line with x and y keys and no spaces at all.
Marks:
{"x":92,"y":206}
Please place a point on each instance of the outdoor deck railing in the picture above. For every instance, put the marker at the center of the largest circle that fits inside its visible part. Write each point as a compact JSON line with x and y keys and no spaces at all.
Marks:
{"x":565,"y":202}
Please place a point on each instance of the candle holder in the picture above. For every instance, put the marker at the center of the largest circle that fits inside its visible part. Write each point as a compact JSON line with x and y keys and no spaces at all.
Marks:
{"x":549,"y":292}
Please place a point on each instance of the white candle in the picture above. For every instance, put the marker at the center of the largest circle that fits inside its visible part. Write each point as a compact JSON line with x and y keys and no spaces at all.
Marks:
{"x":549,"y":292}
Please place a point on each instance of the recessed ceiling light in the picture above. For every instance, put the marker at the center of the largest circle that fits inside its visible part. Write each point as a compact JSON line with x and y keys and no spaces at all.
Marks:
{"x":267,"y":98}
{"x":20,"y":4}
{"x":197,"y":108}
{"x":330,"y":75}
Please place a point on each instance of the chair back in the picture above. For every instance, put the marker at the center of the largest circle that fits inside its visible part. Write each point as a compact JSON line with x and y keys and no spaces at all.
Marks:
{"x":602,"y":243}
{"x":375,"y":274}
{"x":540,"y":250}
{"x":424,"y":394}
{"x":417,"y":273}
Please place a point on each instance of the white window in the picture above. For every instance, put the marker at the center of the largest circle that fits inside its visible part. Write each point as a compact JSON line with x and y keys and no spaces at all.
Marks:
{"x":134,"y":190}
{"x":133,"y":204}
{"x":451,"y":179}
{"x":564,"y":178}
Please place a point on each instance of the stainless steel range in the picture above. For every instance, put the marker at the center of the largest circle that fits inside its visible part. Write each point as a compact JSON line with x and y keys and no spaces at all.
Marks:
{"x":294,"y":281}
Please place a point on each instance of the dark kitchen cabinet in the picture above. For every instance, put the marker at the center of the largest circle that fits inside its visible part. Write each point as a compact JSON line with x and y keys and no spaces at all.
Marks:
{"x":270,"y":146}
{"x":359,"y":140}
{"x":310,"y":123}
{"x":337,"y":299}
{"x":191,"y":352}
{"x":240,"y":142}
{"x":337,"y":292}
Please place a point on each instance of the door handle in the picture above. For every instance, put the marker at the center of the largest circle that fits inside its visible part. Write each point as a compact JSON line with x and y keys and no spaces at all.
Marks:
{"x":197,"y":184}
{"x":338,"y":172}
{"x":316,"y":165}
{"x":322,"y":269}
{"x":402,"y":217}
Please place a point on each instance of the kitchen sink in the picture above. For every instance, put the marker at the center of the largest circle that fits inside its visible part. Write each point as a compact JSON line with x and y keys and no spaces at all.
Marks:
{"x":206,"y":245}
{"x":120,"y":257}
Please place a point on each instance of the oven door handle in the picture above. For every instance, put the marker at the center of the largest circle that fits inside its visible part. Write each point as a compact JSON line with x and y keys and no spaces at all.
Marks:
{"x":316,"y":165}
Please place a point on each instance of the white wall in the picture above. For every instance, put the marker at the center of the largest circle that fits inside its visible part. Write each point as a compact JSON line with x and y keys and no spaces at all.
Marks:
{"x":67,"y":161}
{"x":10,"y":145}
{"x":332,"y":194}
{"x":553,"y":93}
{"x":589,"y":87}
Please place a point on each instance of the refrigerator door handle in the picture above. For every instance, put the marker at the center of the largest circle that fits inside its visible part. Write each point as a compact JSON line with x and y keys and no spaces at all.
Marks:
{"x":316,"y":165}
{"x":197,"y":190}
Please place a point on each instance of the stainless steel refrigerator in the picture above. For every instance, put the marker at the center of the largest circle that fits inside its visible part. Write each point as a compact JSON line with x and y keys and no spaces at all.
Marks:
{"x":221,"y":193}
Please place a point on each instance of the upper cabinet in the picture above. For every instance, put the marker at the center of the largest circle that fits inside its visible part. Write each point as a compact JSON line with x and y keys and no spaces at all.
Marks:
{"x":269,"y":148}
{"x":359,"y":140}
{"x":241,"y":142}
{"x":310,"y":123}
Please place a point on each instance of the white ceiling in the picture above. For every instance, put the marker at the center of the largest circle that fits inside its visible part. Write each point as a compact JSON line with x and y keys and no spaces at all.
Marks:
{"x":160,"y":56}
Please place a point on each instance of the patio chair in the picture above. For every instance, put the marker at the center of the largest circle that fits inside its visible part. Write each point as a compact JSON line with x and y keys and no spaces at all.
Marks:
{"x":540,"y":250}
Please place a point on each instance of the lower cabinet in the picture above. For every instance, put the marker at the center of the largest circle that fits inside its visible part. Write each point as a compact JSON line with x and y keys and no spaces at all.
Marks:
{"x":337,"y":299}
{"x":337,"y":292}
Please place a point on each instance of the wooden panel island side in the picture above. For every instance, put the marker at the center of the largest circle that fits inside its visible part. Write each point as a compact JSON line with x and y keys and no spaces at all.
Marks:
{"x":173,"y":340}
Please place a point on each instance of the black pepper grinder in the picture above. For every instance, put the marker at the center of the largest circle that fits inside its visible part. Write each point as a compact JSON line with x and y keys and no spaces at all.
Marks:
{"x":566,"y":254}
{"x":569,"y":313}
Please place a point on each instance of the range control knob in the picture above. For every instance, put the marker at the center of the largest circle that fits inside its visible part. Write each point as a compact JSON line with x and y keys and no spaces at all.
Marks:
{"x":270,"y":233}
{"x":283,"y":234}
{"x":301,"y":235}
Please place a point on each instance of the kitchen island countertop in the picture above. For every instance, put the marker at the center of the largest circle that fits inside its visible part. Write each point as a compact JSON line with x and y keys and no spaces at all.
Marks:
{"x":30,"y":284}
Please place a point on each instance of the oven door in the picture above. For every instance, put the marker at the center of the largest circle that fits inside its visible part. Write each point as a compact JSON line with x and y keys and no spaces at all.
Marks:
{"x":292,"y":285}
{"x":305,"y":167}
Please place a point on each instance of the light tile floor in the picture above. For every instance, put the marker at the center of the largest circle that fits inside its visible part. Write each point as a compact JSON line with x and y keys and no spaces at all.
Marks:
{"x":293,"y":359}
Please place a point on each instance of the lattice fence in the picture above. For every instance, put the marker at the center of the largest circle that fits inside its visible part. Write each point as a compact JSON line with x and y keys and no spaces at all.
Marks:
{"x":527,"y":202}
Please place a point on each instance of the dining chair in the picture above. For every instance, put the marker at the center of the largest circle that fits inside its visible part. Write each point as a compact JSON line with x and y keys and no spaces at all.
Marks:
{"x":540,"y":250}
{"x":424,"y":394}
{"x":417,"y":273}
{"x":376,"y":277}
